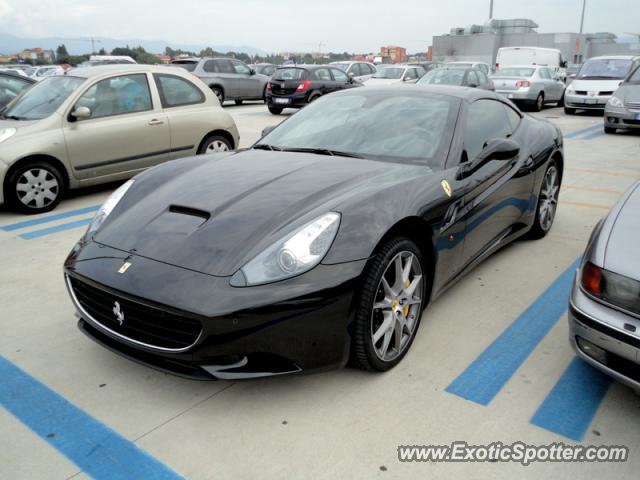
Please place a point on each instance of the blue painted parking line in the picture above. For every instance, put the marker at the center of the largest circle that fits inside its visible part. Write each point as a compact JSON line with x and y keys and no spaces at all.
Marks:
{"x":92,"y":446}
{"x":595,"y":134}
{"x":572,"y":403}
{"x":49,"y":218}
{"x":577,"y":133}
{"x":485,"y":377}
{"x":58,"y":228}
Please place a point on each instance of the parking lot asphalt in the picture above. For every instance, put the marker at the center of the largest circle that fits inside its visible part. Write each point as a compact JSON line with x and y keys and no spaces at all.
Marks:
{"x":491,"y":362}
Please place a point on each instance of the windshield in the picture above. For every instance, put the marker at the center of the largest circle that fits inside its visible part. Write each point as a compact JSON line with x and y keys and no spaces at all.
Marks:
{"x":441,"y":76}
{"x":43,"y":98}
{"x":389,"y":73}
{"x":605,"y":68}
{"x":401,"y":127}
{"x":290,"y":74}
{"x":515,"y":72}
{"x":189,"y":67}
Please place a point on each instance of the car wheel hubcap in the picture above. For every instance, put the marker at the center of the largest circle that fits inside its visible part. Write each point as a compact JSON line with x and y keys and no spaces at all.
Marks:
{"x":37,"y":188}
{"x":548,"y":198}
{"x":219,"y":95}
{"x":217,"y":146}
{"x":396,"y":307}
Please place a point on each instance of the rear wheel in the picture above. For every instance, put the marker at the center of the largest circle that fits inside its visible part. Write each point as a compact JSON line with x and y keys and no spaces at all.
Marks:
{"x":238,"y":102}
{"x":215,"y":143}
{"x":561,"y":101}
{"x":569,"y":111}
{"x":547,"y":202}
{"x":35,"y":187}
{"x":218,"y":93}
{"x":389,"y":307}
{"x":539,"y":103}
{"x":275,"y":110}
{"x":609,"y":130}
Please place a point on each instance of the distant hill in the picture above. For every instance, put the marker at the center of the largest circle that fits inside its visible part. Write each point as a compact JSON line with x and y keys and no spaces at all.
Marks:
{"x":10,"y":44}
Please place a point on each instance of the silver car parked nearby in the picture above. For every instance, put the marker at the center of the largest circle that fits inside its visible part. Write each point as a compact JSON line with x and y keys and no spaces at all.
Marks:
{"x":604,"y":308}
{"x":529,"y":85}
{"x":359,"y":71}
{"x":623,"y":108}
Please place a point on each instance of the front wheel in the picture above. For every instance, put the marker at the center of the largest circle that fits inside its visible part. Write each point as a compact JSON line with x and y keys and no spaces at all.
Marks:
{"x":389,"y":307}
{"x":215,"y":143}
{"x":547,"y":202}
{"x":239,"y":102}
{"x":218,"y":93}
{"x":609,"y":130}
{"x":569,"y":111}
{"x":35,"y":187}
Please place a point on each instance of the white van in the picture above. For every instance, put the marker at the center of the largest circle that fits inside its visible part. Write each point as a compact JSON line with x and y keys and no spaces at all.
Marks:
{"x":548,"y":57}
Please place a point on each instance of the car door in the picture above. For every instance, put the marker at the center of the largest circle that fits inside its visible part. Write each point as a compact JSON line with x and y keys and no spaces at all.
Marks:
{"x":548,"y":84}
{"x":366,"y":71}
{"x":248,"y":83}
{"x":498,"y":194}
{"x":228,"y":77}
{"x":355,"y":72}
{"x":322,"y":81}
{"x":125,"y":132}
{"x":340,"y":79}
{"x":188,"y":123}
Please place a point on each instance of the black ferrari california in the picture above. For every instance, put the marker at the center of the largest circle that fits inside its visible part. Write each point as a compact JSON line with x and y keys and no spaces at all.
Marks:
{"x":320,"y":245}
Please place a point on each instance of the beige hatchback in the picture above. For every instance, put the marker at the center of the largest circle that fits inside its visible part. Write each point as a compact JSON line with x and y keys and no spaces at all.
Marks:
{"x":103,"y":124}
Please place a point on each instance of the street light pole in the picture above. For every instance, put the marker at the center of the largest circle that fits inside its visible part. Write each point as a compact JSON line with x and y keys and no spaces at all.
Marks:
{"x":584,"y":5}
{"x":491,"y":10}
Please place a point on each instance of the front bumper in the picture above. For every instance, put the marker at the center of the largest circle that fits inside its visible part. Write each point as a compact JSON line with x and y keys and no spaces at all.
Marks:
{"x":617,"y":348}
{"x":522,"y":95}
{"x":585,"y":102}
{"x":621,"y":118}
{"x":298,"y":325}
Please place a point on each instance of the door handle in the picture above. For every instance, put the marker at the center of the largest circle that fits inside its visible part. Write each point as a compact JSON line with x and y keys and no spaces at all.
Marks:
{"x":155,"y":121}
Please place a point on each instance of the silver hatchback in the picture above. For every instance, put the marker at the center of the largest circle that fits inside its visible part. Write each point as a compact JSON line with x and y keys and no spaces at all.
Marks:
{"x":529,"y":85}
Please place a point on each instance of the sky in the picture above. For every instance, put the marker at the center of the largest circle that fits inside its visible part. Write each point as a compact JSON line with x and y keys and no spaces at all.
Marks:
{"x":299,"y":25}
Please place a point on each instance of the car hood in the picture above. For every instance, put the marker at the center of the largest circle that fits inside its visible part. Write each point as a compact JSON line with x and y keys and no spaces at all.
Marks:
{"x":382,"y":81}
{"x":621,"y":255}
{"x":596,"y":85}
{"x":18,"y":124}
{"x":214,"y":213}
{"x":629,"y":93}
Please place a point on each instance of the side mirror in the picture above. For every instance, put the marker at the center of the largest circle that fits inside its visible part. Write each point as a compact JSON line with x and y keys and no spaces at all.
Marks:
{"x":496,"y":149}
{"x":81,"y":112}
{"x":267,"y":130}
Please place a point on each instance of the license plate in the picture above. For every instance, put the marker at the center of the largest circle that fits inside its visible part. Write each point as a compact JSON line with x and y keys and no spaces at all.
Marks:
{"x":282,"y":101}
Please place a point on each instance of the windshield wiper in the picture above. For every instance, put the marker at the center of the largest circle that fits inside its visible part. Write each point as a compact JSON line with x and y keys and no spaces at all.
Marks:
{"x":264,"y":146}
{"x":322,"y":151}
{"x":11,"y":117}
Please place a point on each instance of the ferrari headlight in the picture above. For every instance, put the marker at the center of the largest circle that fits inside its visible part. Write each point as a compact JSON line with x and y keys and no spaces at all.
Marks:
{"x":615,"y":102}
{"x":6,"y":133}
{"x":292,"y":255}
{"x":107,"y":207}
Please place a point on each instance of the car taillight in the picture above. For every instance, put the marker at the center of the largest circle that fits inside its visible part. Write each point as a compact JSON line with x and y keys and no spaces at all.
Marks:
{"x":269,"y":87}
{"x":591,"y":279}
{"x":304,"y":86}
{"x":523,"y":84}
{"x":497,"y":66}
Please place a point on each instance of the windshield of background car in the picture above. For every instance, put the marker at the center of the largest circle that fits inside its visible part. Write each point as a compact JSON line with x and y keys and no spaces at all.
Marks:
{"x":441,"y":76}
{"x":634,"y":77}
{"x":515,"y":72}
{"x":389,"y":73}
{"x":189,"y":67}
{"x":398,"y":127}
{"x":290,"y":74}
{"x":43,"y":98}
{"x":605,"y":68}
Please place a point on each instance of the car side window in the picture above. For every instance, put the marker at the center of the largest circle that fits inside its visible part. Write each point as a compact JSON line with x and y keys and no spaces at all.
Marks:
{"x":365,"y":69}
{"x":224,"y":66}
{"x":210,"y":66}
{"x":339,"y":75}
{"x":176,"y":91}
{"x":482,"y":77}
{"x":240,"y":68}
{"x":486,"y":120}
{"x":321,"y":74}
{"x":410,"y":74}
{"x":544,"y":73}
{"x":117,"y":96}
{"x":356,"y":70}
{"x":269,"y":71}
{"x":472,"y":78}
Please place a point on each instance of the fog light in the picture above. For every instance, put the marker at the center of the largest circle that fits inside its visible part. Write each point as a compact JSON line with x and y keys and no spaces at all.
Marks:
{"x":591,"y":350}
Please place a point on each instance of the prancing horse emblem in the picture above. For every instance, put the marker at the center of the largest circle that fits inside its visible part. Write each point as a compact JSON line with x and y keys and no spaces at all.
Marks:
{"x":118,"y":313}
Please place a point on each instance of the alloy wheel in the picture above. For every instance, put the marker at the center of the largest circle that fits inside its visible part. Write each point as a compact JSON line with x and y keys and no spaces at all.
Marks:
{"x":549,"y":198}
{"x":217,"y":146}
{"x":37,"y":188}
{"x":397,"y":306}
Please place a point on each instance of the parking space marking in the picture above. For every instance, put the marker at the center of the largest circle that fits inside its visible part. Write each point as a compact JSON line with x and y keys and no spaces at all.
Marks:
{"x":485,"y":377}
{"x":585,"y":205}
{"x":92,"y":446}
{"x":573,"y":402}
{"x":604,"y":172}
{"x":595,"y":134}
{"x":596,"y":190}
{"x":58,"y":228}
{"x":49,"y":218}
{"x":577,"y":133}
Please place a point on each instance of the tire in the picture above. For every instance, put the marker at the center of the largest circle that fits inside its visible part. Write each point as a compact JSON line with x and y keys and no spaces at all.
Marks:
{"x":569,"y":111}
{"x":377,"y":306}
{"x":539,"y":103}
{"x":313,"y":98}
{"x":275,"y":110}
{"x":540,"y":226}
{"x":35,"y":187}
{"x":610,"y":130}
{"x":218,"y":93}
{"x":239,"y":102}
{"x":561,"y":101}
{"x":214,"y":143}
